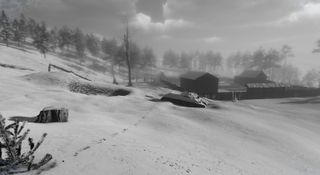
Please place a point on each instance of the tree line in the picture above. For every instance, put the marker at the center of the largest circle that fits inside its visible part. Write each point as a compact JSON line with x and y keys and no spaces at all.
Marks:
{"x":209,"y":61}
{"x":23,"y":31}
{"x":274,"y":62}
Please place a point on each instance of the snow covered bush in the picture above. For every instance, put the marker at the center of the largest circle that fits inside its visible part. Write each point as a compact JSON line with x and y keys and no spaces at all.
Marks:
{"x":12,"y":160}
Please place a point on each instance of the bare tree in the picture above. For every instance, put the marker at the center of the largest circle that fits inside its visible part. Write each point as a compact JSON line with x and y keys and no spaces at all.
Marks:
{"x":312,"y":78}
{"x":185,"y":61}
{"x":6,"y":30}
{"x":148,"y":58}
{"x":110,"y":48}
{"x":65,"y":37}
{"x":78,"y":39}
{"x":93,"y":44}
{"x":41,"y":39}
{"x":127,"y":53}
{"x":17,"y":32}
{"x":170,"y":58}
{"x":287,"y":73}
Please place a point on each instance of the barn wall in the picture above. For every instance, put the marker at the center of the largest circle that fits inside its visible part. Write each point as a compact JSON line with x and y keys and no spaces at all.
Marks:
{"x":187,"y":85}
{"x":260,"y":93}
{"x":206,"y":85}
{"x":230,"y":96}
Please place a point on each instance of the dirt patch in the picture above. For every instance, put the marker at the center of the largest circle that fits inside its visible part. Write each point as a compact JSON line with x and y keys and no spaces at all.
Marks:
{"x":75,"y":84}
{"x":91,"y":89}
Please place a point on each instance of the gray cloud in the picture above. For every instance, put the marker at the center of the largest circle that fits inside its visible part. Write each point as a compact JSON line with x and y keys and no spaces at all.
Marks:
{"x":14,"y":7}
{"x":152,"y":8}
{"x":100,"y":16}
{"x":230,"y":12}
{"x":186,"y":24}
{"x":10,"y":4}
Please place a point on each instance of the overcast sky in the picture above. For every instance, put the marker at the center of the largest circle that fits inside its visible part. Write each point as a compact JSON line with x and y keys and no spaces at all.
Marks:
{"x":187,"y":25}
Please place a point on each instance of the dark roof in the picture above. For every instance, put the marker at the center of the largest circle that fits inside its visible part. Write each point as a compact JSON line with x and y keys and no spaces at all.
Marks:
{"x":193,"y":75}
{"x":251,"y":73}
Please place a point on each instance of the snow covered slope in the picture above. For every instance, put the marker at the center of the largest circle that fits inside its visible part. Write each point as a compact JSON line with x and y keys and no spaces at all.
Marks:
{"x":132,"y":135}
{"x":31,"y":59}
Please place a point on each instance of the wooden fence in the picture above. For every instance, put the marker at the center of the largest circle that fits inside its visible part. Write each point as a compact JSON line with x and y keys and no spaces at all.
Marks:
{"x":65,"y":70}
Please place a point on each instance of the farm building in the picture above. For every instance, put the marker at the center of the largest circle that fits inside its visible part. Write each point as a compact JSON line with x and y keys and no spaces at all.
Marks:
{"x":251,"y":76}
{"x":228,"y":90}
{"x":202,"y":83}
{"x":265,"y":90}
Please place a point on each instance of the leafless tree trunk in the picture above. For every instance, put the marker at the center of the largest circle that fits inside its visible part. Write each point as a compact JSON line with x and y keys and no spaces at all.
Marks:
{"x":113,"y":73}
{"x":127,"y":50}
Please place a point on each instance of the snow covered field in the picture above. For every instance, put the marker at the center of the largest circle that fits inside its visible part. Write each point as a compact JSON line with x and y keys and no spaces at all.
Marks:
{"x":132,"y":135}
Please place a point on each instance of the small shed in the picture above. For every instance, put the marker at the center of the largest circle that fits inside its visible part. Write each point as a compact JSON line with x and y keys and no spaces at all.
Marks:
{"x":251,"y":76}
{"x":202,"y":83}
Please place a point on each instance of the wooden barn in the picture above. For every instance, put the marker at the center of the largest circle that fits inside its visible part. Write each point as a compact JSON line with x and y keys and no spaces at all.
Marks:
{"x":265,"y":90}
{"x":251,"y":76}
{"x":202,"y":83}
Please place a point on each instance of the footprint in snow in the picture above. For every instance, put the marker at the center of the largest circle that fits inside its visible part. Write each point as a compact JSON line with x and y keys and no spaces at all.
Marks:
{"x":114,"y":134}
{"x":83,"y":149}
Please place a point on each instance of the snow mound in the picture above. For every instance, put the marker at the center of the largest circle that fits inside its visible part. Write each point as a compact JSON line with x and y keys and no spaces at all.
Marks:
{"x":58,"y":79}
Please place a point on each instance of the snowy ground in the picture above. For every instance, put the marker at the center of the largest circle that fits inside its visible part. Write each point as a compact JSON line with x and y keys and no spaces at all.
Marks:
{"x":132,"y":135}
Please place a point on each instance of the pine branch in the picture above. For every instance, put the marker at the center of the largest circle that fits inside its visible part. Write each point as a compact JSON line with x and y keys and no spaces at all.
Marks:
{"x":30,"y":163}
{"x":18,"y":143}
{"x":21,"y":128}
{"x":11,"y":141}
{"x":10,"y":126}
{"x":38,"y":144}
{"x":10,"y":151}
{"x":31,"y":144}
{"x":42,"y":162}
{"x":9,"y":132}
